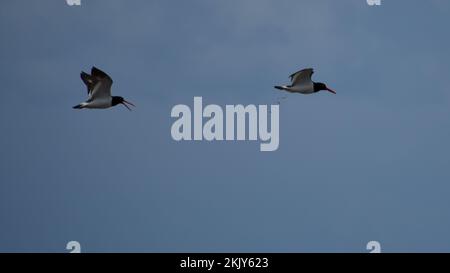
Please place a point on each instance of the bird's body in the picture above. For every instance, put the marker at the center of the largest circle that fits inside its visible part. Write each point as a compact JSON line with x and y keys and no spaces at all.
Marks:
{"x":307,"y":88}
{"x":301,"y":82}
{"x":99,"y":91}
{"x":102,"y":103}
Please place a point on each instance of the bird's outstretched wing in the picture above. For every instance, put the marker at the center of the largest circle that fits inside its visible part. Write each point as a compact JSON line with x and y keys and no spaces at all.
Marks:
{"x":98,"y":83}
{"x":100,"y":75}
{"x":89,"y":81}
{"x":302,"y":76}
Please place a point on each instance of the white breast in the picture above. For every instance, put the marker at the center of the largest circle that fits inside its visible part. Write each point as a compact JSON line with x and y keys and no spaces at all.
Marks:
{"x":100,"y":103}
{"x":304,"y":88}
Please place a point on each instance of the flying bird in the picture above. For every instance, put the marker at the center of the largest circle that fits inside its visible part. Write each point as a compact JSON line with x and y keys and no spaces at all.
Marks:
{"x":301,"y":82}
{"x":99,"y":91}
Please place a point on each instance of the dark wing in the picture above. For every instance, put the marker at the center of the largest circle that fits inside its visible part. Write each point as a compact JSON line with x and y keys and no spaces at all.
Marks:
{"x":89,"y":81}
{"x":100,"y":75}
{"x":103,"y":83}
{"x":302,"y":76}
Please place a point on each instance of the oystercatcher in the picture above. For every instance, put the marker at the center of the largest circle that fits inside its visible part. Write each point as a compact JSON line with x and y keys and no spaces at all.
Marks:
{"x":99,"y":91}
{"x":301,"y":82}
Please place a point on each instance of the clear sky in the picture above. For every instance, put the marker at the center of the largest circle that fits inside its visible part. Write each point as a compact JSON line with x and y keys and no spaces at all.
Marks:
{"x":370,"y":163}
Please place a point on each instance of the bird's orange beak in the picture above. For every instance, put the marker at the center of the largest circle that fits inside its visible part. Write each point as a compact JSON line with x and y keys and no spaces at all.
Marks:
{"x":125,"y":104}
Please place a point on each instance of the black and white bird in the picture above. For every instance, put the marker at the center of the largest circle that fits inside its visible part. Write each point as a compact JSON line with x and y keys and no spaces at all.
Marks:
{"x":99,"y":91}
{"x":301,"y":82}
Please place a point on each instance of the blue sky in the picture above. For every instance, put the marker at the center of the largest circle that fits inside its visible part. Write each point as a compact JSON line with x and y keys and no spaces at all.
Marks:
{"x":370,"y":163}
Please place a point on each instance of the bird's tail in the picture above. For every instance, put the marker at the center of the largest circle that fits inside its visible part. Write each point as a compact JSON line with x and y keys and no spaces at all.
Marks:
{"x":79,"y":106}
{"x":280,"y":87}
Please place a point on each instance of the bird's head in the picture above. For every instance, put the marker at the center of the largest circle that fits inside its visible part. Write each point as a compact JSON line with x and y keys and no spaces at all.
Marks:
{"x":119,"y":100}
{"x":318,"y":86}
